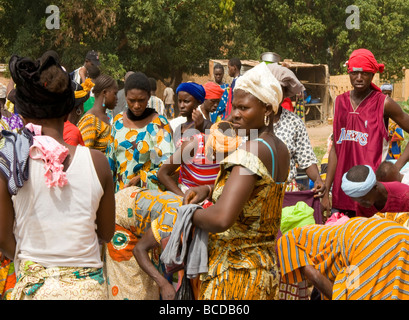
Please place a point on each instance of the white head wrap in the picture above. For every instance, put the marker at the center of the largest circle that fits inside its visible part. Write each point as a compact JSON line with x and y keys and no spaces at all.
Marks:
{"x":358,"y":189}
{"x":260,"y":82}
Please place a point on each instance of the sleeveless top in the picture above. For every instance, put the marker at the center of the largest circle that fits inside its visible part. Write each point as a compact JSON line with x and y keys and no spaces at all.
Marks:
{"x":56,"y":226}
{"x":360,"y":137}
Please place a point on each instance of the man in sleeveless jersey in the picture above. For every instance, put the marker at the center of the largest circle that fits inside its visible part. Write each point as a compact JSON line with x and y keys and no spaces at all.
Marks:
{"x":360,"y":128}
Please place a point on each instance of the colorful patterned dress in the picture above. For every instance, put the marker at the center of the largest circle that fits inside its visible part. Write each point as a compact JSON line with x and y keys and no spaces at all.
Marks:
{"x":396,"y":137}
{"x":11,"y":122}
{"x":36,"y":282}
{"x":136,"y":209}
{"x":365,"y":258}
{"x":132,"y":152}
{"x":95,"y":132}
{"x":7,"y":277}
{"x":219,"y":114}
{"x":242,"y":260}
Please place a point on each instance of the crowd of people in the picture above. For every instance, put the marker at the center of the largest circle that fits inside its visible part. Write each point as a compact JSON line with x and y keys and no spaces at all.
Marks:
{"x":114,"y":193}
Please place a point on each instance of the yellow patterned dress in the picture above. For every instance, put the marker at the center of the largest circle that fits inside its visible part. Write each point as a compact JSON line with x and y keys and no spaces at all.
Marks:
{"x":132,"y":152}
{"x":242,"y":260}
{"x":136,"y":210}
{"x":95,"y":132}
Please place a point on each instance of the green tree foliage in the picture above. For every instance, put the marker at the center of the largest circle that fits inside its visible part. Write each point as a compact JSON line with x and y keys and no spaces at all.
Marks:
{"x":84,"y":25}
{"x":315,"y":31}
{"x":165,"y":38}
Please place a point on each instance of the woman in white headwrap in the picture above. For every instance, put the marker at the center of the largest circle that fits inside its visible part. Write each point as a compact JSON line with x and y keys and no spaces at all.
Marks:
{"x":247,"y":195}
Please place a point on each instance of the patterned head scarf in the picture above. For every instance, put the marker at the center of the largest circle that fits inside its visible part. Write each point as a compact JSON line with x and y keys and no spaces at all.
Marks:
{"x":82,"y":92}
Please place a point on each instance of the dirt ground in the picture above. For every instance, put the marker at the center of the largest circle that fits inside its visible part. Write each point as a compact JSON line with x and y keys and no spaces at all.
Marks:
{"x":4,"y":81}
{"x":319,"y":134}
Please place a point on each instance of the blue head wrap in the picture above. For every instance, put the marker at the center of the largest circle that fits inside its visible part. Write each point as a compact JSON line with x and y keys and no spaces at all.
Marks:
{"x":196,"y":90}
{"x":358,"y":189}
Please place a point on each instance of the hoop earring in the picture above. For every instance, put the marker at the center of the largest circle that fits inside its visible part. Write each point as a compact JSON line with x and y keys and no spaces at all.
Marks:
{"x":78,"y":111}
{"x":266,"y":120}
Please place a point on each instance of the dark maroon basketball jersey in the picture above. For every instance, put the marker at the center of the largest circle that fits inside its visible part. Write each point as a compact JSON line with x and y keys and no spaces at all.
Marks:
{"x":360,"y":137}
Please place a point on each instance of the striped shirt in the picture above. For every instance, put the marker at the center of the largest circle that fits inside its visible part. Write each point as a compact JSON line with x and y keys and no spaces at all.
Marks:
{"x":366,"y":258}
{"x":199,"y":171}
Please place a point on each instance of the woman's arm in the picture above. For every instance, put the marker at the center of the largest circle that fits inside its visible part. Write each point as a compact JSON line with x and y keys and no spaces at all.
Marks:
{"x":140,"y":253}
{"x":322,"y":283}
{"x":332,"y":166}
{"x":7,"y":240}
{"x":184,"y":154}
{"x":165,"y":177}
{"x":106,"y":211}
{"x":167,"y":170}
{"x":223,"y":214}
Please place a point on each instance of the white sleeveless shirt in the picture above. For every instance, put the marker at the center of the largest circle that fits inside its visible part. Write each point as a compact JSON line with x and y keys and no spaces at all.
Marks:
{"x":56,"y":226}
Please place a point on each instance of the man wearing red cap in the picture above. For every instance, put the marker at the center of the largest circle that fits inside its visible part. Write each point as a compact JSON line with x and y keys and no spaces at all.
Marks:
{"x":360,"y":128}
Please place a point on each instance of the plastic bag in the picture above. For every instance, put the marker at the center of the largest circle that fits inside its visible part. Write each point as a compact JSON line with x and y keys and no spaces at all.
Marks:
{"x":295,"y":216}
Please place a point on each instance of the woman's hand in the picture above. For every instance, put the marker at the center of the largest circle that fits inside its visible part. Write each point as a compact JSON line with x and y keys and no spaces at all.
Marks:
{"x":167,"y":291}
{"x":198,"y":118}
{"x":134,"y":182}
{"x":196,"y":195}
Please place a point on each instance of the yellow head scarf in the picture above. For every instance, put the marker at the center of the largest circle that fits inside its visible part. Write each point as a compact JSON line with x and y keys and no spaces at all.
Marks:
{"x":87,"y":85}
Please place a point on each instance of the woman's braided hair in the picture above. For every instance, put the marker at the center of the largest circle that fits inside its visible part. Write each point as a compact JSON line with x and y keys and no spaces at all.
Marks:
{"x":103,"y":82}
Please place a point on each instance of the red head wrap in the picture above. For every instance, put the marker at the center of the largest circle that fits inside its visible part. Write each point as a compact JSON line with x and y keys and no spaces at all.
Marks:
{"x":213,"y":90}
{"x":364,"y":60}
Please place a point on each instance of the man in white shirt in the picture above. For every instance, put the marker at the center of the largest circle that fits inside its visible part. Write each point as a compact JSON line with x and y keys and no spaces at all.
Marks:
{"x":91,"y":61}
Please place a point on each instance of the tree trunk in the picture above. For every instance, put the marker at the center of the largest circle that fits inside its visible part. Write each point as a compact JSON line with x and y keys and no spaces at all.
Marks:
{"x":177,"y":77}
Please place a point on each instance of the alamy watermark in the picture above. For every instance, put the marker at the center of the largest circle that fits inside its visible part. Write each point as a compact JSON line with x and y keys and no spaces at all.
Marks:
{"x":52,"y":21}
{"x":352,"y":22}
